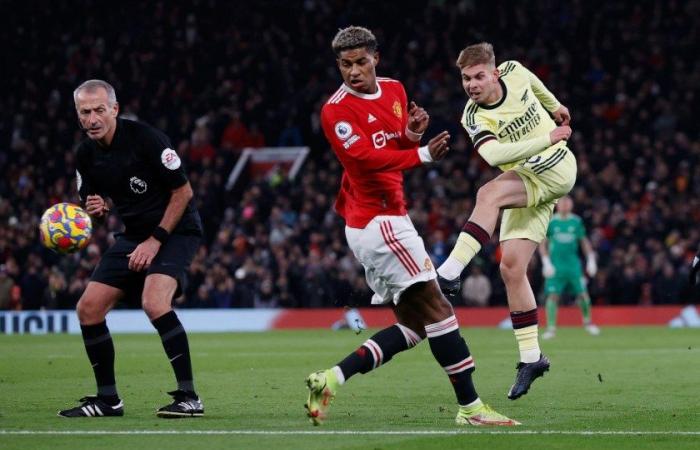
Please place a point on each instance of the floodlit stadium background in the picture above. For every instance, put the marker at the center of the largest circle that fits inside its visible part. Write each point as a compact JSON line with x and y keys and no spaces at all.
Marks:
{"x":221,"y":77}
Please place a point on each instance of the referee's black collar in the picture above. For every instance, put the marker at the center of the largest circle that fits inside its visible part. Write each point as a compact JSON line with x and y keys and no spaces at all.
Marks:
{"x":117,"y":127}
{"x":503,"y":97}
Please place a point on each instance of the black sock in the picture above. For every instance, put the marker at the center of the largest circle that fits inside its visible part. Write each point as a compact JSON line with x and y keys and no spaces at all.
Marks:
{"x":451,"y":352}
{"x":100,"y":351}
{"x":379,"y":349}
{"x":177,"y":348}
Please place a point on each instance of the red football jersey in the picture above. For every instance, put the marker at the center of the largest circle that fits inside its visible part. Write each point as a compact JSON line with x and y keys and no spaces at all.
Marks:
{"x":367,"y":134}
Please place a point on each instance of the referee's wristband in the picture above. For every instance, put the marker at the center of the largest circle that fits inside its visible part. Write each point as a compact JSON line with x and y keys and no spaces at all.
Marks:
{"x":160,"y":234}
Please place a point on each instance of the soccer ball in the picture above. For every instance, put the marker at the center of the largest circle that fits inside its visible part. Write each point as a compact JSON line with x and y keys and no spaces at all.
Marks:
{"x":65,"y":228}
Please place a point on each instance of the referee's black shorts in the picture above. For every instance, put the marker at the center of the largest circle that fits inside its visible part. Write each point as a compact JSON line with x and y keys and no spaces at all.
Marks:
{"x":173,"y":258}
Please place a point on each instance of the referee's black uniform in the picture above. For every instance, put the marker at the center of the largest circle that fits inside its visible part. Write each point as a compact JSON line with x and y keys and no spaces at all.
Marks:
{"x":138,"y":171}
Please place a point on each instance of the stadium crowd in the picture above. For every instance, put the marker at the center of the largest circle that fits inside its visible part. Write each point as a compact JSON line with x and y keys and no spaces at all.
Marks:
{"x":218,"y":77}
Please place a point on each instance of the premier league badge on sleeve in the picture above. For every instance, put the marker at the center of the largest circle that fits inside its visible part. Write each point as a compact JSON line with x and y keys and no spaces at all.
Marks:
{"x":343,"y":130}
{"x":473,"y":129}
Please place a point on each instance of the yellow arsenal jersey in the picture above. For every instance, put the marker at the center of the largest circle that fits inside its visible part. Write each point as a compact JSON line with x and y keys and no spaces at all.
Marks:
{"x":522,"y":114}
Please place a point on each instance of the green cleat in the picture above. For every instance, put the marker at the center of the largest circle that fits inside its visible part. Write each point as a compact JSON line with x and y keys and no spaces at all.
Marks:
{"x":322,"y":388}
{"x":481,"y":415}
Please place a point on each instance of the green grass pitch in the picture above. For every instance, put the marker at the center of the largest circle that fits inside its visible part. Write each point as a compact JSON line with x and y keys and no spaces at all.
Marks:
{"x":628,"y":388}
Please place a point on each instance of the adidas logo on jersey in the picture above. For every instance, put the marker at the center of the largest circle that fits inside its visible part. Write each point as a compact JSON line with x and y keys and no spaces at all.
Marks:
{"x":371,"y":118}
{"x":524,"y":97}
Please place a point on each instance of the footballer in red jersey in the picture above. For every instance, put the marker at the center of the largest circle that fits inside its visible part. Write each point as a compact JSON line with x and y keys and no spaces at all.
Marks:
{"x":375,"y":133}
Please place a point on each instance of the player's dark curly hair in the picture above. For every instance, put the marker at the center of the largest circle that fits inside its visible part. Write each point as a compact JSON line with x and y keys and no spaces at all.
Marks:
{"x":354,"y":37}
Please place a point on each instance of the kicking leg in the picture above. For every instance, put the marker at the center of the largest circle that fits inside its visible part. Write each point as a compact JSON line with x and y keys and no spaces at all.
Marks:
{"x":505,"y":191}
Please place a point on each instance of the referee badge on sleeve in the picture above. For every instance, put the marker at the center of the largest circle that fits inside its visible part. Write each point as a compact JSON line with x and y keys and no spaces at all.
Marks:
{"x":170,"y":159}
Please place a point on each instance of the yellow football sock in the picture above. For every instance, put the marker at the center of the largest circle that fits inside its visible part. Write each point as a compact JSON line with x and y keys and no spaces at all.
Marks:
{"x":528,"y":344}
{"x":465,"y":249}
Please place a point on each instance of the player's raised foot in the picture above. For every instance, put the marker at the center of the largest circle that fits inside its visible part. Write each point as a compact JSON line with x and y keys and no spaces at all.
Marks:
{"x":592,"y":329}
{"x":322,"y":388}
{"x":527,"y":373}
{"x":185,"y":404}
{"x":93,"y":406}
{"x":450,"y":288}
{"x":483,"y":415}
{"x":549,"y":334}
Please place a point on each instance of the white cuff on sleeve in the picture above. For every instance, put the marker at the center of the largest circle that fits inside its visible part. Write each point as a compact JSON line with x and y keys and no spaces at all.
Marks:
{"x":424,"y":154}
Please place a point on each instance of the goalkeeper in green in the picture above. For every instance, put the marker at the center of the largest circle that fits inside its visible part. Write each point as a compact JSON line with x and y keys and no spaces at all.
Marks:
{"x":561,"y":265}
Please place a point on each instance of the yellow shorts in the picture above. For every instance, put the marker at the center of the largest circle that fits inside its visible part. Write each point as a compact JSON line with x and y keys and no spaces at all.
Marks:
{"x":546,"y":180}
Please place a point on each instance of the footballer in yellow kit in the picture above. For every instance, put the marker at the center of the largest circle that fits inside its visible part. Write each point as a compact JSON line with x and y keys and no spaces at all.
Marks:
{"x":518,"y":125}
{"x":548,"y":171}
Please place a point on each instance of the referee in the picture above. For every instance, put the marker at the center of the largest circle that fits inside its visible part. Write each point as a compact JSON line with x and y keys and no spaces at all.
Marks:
{"x":135,"y":166}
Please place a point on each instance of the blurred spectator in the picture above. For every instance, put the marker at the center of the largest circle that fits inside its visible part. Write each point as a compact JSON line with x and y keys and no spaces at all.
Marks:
{"x":56,"y":295}
{"x":667,"y":285}
{"x":236,"y":135}
{"x":200,"y":147}
{"x":476,"y":289}
{"x":6,"y":286}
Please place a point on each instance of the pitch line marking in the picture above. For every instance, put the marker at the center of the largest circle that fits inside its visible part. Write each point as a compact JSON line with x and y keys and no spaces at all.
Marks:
{"x":342,"y":432}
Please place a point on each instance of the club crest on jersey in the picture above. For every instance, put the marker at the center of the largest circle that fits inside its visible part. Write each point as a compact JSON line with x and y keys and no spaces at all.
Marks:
{"x":137,"y":185}
{"x":398,"y":111}
{"x":473,"y":129}
{"x":170,"y":159}
{"x":343,"y":130}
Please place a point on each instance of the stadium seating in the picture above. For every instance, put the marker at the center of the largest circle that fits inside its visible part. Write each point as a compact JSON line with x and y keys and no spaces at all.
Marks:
{"x":218,"y":80}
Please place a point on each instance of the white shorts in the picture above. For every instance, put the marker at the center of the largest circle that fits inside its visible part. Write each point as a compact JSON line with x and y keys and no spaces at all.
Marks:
{"x":393,"y":255}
